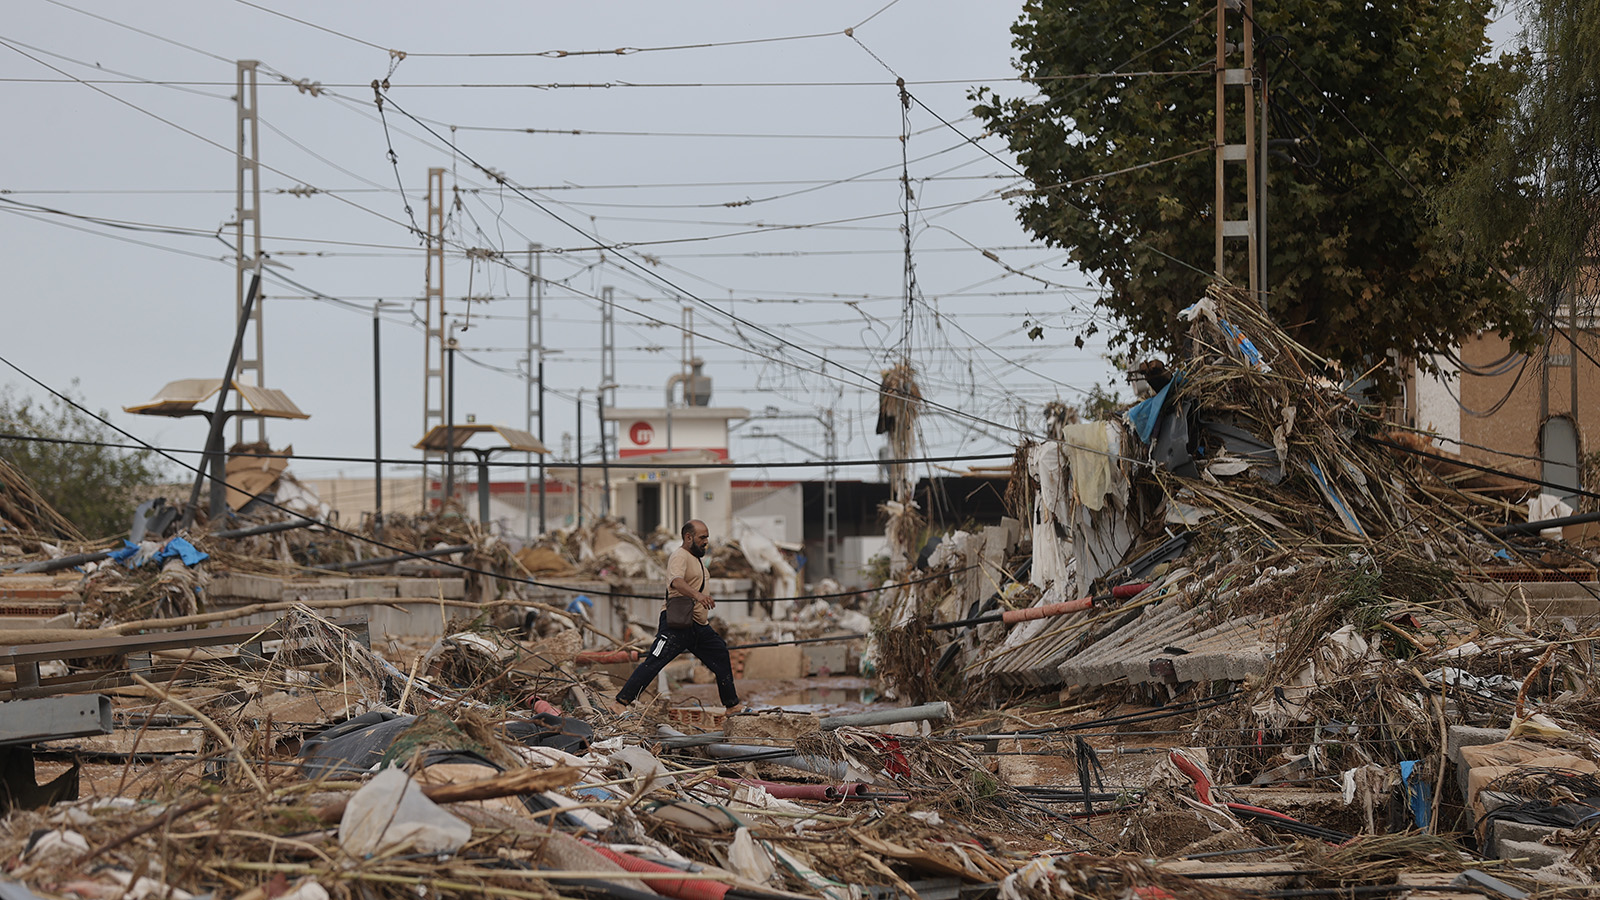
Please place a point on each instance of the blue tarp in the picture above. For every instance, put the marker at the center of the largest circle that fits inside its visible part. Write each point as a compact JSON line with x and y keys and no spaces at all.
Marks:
{"x":135,"y":555}
{"x":1144,"y":415}
{"x":1416,"y":794}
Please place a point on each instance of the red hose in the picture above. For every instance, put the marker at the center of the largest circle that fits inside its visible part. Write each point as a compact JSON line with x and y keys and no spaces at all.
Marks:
{"x":682,"y":888}
{"x":1202,"y":784}
{"x":1012,"y":616}
{"x":1121,"y":591}
{"x":1202,"y":788}
{"x":1261,"y":810}
{"x":793,"y":791}
{"x":853,"y":789}
{"x":785,"y":791}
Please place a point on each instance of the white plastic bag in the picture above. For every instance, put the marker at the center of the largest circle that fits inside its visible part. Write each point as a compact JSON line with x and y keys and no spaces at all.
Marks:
{"x":390,"y":812}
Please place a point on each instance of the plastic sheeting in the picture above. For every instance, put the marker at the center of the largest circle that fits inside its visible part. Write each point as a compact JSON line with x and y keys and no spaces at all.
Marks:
{"x":1052,"y":544}
{"x":1102,"y":535}
{"x":765,"y":557}
{"x":390,"y":812}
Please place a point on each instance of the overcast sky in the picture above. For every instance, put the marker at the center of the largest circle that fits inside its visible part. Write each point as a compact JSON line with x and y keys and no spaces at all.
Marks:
{"x":754,"y":182}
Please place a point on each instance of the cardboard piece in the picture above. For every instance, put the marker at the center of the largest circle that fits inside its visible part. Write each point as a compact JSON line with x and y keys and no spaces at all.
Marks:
{"x":248,"y":476}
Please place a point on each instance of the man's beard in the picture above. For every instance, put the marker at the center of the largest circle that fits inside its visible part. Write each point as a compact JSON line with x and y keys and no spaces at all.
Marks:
{"x":699,"y":552}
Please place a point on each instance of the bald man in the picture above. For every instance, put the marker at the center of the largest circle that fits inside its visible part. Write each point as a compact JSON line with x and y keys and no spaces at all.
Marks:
{"x":686,"y":577}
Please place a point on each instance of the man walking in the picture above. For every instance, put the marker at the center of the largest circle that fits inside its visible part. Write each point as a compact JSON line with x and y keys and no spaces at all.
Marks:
{"x":686,"y":578}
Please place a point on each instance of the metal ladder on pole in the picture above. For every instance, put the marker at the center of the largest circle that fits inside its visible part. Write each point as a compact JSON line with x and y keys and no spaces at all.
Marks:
{"x":433,"y":386}
{"x":247,"y":239}
{"x":1235,"y":74}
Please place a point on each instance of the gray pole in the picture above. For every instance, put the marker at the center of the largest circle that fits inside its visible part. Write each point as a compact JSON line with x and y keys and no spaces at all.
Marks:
{"x":449,"y":423}
{"x":830,"y":499}
{"x":483,"y":486}
{"x":605,"y":462}
{"x":527,"y":408}
{"x":538,"y":288}
{"x":377,"y":429}
{"x":578,"y":509}
{"x":527,"y":405}
{"x":214,"y":438}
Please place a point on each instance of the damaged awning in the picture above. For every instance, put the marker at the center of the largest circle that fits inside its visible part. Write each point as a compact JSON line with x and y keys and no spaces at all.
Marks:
{"x":181,"y":397}
{"x":441,"y":438}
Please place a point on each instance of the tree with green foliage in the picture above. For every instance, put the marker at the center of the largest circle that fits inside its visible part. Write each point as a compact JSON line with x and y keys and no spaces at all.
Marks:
{"x":1379,"y":104}
{"x":91,"y":485}
{"x":1534,"y":191}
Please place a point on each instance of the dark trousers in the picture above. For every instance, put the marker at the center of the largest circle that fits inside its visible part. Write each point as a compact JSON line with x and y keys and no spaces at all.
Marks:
{"x":701,"y":640}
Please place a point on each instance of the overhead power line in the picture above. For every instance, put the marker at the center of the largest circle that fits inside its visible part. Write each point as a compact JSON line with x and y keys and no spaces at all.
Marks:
{"x":865,"y":381}
{"x":370,"y":541}
{"x":148,"y":34}
{"x":508,"y":464}
{"x":194,"y":134}
{"x":541,"y":188}
{"x":618,"y":85}
{"x":720,"y":135}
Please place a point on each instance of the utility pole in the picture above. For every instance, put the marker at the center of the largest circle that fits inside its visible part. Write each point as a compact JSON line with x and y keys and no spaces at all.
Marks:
{"x":606,"y":393}
{"x":534,"y":373}
{"x":578,"y":458}
{"x":377,"y":424}
{"x":433,"y":341}
{"x":830,"y":499}
{"x":247,"y":235}
{"x":605,"y":462}
{"x":449,"y":422}
{"x":1235,"y":69}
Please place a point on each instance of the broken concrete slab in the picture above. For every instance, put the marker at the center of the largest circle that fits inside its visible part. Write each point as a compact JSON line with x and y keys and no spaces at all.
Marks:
{"x":1460,"y":736}
{"x":1528,"y":855}
{"x":1501,"y":830}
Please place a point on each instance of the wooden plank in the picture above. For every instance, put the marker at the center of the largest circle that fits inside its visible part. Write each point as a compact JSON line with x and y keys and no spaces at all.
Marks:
{"x":136,"y":651}
{"x":117,"y":645}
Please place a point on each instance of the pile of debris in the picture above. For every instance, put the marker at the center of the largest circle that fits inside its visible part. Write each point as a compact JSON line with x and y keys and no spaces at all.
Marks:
{"x":1245,"y":639}
{"x":1300,"y":590}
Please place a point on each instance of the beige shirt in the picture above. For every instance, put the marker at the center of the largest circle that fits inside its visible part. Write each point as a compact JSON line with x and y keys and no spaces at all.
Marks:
{"x":685,"y":565}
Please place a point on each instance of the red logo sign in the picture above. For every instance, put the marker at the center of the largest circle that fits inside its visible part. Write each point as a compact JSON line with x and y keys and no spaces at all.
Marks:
{"x":641,"y":433}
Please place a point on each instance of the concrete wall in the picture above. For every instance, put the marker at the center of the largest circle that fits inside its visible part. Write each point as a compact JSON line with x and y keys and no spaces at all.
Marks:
{"x":854,"y":553}
{"x":1542,"y":391}
{"x":711,"y":499}
{"x":645,"y":430}
{"x":764,"y":508}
